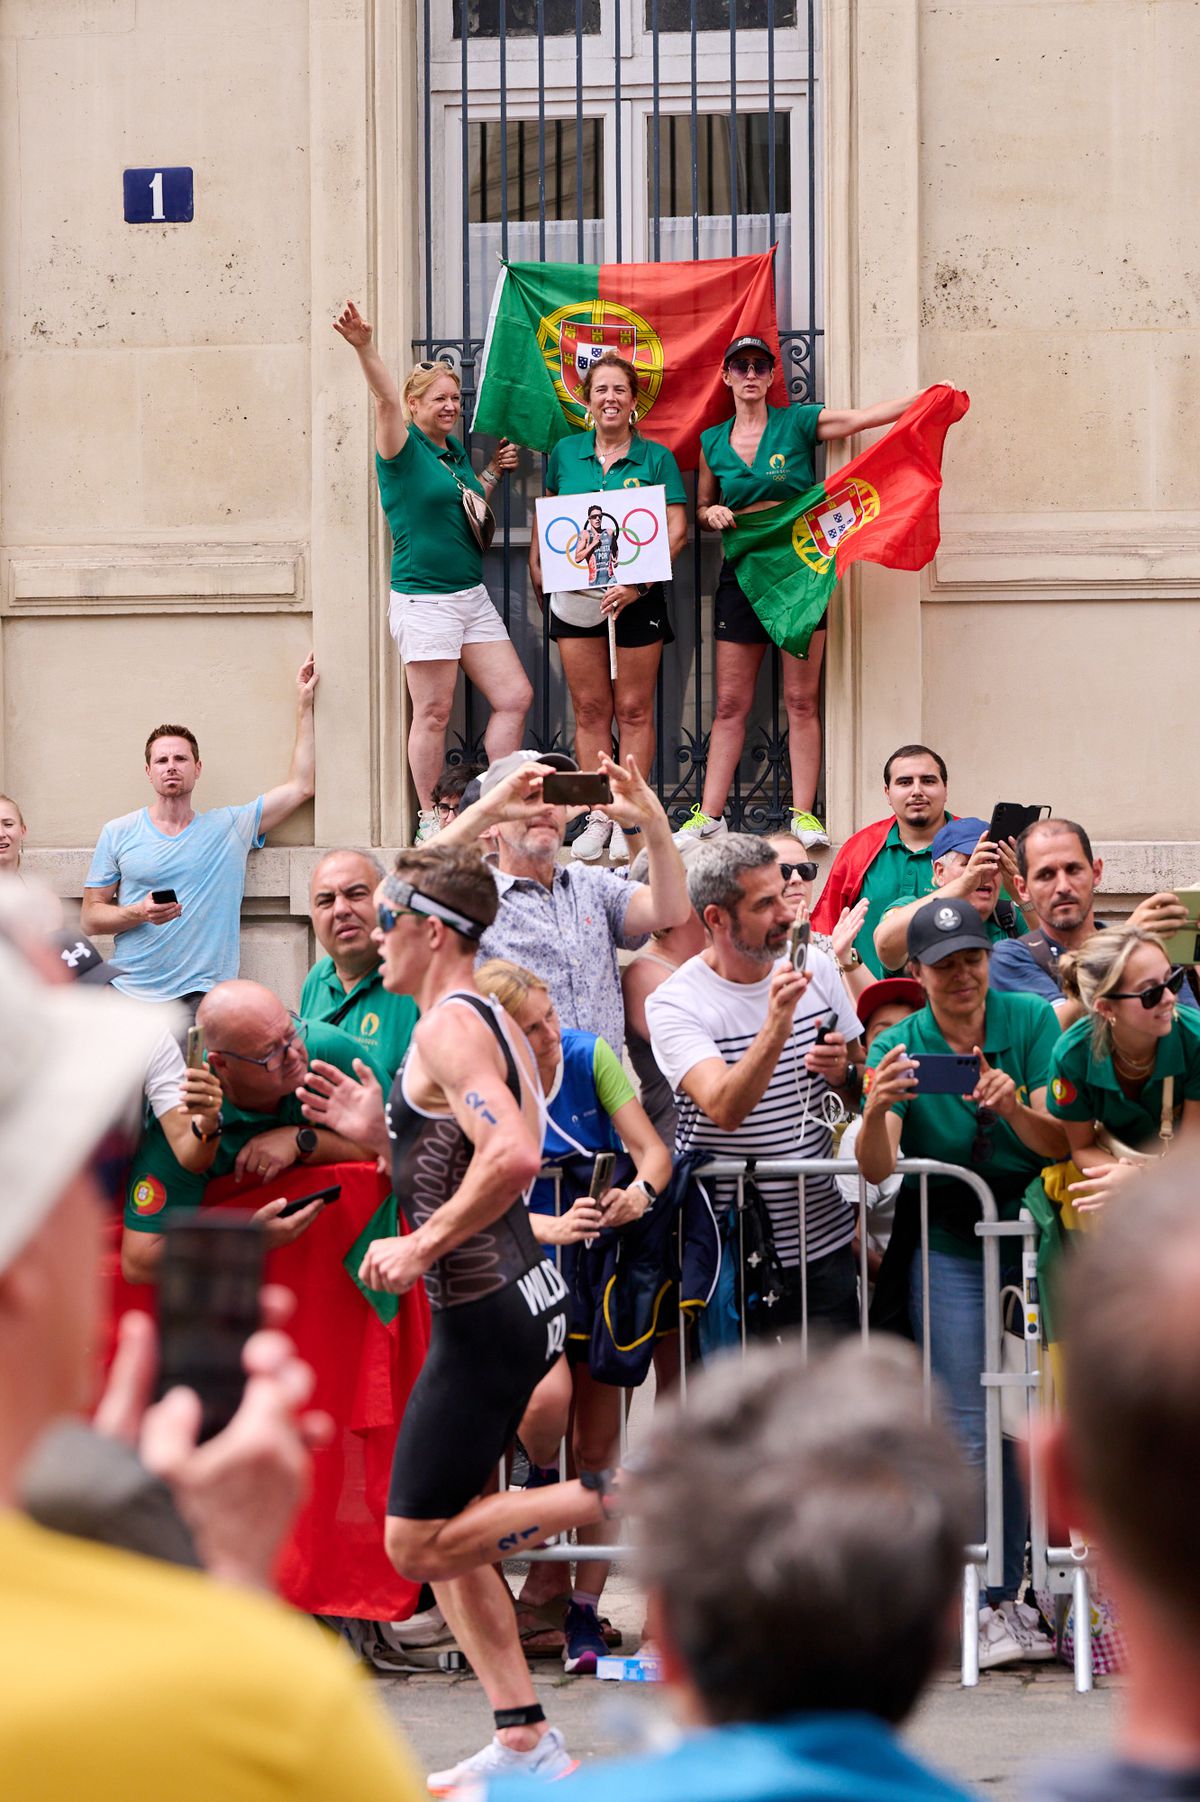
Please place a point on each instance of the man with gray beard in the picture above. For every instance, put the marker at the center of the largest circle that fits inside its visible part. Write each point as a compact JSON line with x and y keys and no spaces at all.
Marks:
{"x":734,"y":1031}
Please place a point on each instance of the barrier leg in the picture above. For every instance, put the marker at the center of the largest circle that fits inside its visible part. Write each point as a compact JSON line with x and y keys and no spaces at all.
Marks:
{"x":970,"y":1625}
{"x":1081,"y":1602}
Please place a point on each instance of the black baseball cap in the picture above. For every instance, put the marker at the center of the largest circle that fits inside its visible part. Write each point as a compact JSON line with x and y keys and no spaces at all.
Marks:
{"x":941,"y":928}
{"x":81,"y":960}
{"x":749,"y":343}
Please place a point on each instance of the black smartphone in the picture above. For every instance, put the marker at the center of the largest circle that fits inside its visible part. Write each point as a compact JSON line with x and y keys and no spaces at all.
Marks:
{"x":602,"y":1174}
{"x":798,"y":939}
{"x":564,"y":789}
{"x":947,"y":1073}
{"x":208,"y":1306}
{"x":163,"y":896}
{"x":195,"y":1048}
{"x":1010,"y":818}
{"x":825,"y":1028}
{"x":302,"y":1201}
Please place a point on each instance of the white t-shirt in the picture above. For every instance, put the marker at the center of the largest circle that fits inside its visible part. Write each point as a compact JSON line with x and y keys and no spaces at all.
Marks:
{"x":697,"y":1014}
{"x":881,"y":1197}
{"x":164,"y":1076}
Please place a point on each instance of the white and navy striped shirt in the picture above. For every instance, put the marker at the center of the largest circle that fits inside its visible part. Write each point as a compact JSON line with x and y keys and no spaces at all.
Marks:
{"x":697,"y":1014}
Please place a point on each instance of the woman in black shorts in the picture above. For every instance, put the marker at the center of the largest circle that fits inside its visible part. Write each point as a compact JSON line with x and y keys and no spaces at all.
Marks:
{"x":614,"y":455}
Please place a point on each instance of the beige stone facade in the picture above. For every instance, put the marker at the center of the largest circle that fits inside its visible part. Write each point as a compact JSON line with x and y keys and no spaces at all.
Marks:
{"x":186,"y":492}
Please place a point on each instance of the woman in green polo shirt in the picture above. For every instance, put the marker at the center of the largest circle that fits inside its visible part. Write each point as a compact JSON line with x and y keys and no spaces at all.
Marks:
{"x":761,"y":456}
{"x":612,"y":455}
{"x":1124,"y":1079}
{"x":1002,"y":1130}
{"x":440,"y":614}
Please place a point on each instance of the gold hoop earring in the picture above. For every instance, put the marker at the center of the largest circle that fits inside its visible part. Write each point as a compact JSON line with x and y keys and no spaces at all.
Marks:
{"x":633,"y":419}
{"x":589,"y":424}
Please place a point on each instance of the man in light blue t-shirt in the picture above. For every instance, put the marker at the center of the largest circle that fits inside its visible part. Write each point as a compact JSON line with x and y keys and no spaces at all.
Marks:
{"x":177,"y":947}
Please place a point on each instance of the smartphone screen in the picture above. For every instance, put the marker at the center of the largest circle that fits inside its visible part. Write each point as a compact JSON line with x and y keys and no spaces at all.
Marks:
{"x":163,"y":896}
{"x":208,"y":1306}
{"x":564,"y":789}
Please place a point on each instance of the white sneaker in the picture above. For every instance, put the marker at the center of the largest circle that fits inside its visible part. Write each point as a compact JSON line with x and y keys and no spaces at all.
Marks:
{"x":549,"y":1760}
{"x":996,"y":1643}
{"x":428,"y":822}
{"x":809,"y":830}
{"x":589,"y":846}
{"x":618,"y":846}
{"x":699,"y":825}
{"x":425,"y":1629}
{"x":1025,"y":1626}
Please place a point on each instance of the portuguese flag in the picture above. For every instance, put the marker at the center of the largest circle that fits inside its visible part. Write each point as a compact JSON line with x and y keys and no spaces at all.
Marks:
{"x":881,"y":508}
{"x":672,"y":321}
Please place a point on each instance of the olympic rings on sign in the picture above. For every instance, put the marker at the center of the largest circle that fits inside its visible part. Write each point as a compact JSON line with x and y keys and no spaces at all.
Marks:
{"x":641,"y":542}
{"x":562,"y":519}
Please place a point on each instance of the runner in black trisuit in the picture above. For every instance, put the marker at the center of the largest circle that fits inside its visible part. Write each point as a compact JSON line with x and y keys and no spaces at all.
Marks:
{"x":463,"y":1130}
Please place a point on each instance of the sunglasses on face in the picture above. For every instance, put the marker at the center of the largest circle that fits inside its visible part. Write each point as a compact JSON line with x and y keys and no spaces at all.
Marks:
{"x":750,"y":365}
{"x":1153,"y":995}
{"x":388,"y":916}
{"x":807,"y":872}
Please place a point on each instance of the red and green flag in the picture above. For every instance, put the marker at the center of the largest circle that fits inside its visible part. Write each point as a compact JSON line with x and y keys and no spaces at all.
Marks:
{"x":672,"y":321}
{"x":881,"y":508}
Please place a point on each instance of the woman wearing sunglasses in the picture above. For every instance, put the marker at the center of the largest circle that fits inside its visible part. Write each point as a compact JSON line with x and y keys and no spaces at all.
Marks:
{"x":1002,"y":1130}
{"x":1125,"y":1079}
{"x":799,"y":873}
{"x":761,"y":456}
{"x":440,"y":613}
{"x":612,"y":455}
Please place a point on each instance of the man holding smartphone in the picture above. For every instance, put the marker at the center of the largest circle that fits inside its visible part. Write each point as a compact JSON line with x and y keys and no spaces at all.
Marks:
{"x":167,"y":881}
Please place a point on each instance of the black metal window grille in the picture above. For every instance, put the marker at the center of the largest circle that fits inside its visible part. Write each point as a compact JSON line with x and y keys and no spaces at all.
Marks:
{"x":729,"y":167}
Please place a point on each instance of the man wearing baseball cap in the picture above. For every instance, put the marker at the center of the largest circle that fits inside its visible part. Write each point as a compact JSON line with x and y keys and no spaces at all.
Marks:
{"x":1000,"y":1128}
{"x":566,"y":922}
{"x":964,"y":866}
{"x":168,"y":1683}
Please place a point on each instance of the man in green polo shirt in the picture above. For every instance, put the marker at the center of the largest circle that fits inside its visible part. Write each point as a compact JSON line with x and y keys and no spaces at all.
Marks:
{"x":889,"y":861}
{"x":259,"y":1054}
{"x":345,"y":987}
{"x":964,"y":866}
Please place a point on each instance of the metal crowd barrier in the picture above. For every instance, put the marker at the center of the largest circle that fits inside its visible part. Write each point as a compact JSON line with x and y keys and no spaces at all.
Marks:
{"x":1059,"y":1569}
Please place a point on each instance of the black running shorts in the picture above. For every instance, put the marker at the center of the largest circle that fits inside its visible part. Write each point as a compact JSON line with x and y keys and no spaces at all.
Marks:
{"x":734,"y":619}
{"x":644,"y":621}
{"x":485,"y":1360}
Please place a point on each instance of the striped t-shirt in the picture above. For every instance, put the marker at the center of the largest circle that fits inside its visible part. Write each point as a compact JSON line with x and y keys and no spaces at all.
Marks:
{"x":697,"y":1014}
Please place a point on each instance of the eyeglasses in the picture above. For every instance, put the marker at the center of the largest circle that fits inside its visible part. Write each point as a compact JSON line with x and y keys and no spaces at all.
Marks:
{"x":1153,"y":995}
{"x":275,"y":1060}
{"x":447,"y":809}
{"x":983,"y":1145}
{"x":750,"y":366}
{"x":807,"y":872}
{"x":388,"y":916}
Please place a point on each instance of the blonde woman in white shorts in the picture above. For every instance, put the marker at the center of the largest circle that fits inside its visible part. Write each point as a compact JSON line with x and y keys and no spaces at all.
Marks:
{"x":440,"y":613}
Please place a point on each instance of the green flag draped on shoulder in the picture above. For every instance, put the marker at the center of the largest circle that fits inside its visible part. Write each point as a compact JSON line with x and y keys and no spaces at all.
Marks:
{"x":882,"y":507}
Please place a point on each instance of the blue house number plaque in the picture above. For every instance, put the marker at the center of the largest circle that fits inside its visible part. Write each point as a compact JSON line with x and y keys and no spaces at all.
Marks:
{"x":158,"y":196}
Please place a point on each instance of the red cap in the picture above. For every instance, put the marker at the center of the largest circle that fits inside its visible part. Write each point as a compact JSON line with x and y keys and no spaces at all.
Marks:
{"x":893,"y":988}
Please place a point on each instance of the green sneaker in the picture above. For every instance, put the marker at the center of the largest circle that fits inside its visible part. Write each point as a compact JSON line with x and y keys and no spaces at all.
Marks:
{"x":808,"y":829}
{"x":699,"y":825}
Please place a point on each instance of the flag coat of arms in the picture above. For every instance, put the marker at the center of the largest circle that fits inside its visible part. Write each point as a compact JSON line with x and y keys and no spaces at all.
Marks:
{"x":882,"y":507}
{"x":551,"y":321}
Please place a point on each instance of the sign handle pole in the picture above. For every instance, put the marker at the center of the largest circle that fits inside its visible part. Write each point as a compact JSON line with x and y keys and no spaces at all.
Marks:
{"x":612,"y":646}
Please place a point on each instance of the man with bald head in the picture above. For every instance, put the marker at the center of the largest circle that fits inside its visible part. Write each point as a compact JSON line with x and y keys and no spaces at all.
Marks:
{"x":345,"y":987}
{"x":259,"y":1053}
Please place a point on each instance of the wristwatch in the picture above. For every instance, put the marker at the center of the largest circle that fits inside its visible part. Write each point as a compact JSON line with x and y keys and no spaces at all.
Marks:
{"x":306,"y":1142}
{"x":207,"y":1138}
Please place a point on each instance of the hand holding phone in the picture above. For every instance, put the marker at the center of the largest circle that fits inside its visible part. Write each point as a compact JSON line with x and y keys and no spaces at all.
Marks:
{"x":947,"y":1073}
{"x":565,"y":788}
{"x":208,"y":1306}
{"x":1010,"y":818}
{"x":303,"y":1201}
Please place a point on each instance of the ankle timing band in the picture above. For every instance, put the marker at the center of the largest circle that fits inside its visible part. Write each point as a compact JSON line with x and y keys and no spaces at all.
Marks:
{"x":528,"y":1716}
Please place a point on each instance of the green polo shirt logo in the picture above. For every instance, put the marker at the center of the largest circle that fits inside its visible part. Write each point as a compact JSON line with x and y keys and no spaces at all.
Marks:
{"x":369,"y":1025}
{"x":778,"y":466}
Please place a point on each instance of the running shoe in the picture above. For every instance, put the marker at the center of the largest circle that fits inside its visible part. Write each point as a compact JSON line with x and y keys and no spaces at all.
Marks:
{"x":699,"y":825}
{"x":428,"y":822}
{"x":1025,"y":1625}
{"x":585,"y":1642}
{"x":427,"y":1628}
{"x":618,"y":846}
{"x":589,"y":846}
{"x":996,"y":1643}
{"x":549,"y":1760}
{"x":808,"y":829}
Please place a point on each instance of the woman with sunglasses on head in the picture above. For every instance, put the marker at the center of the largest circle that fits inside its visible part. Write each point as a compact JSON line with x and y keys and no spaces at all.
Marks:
{"x":612,"y":455}
{"x":1001,"y":1130}
{"x":761,"y":456}
{"x":799,"y":872}
{"x":440,"y":613}
{"x":1124,"y":1079}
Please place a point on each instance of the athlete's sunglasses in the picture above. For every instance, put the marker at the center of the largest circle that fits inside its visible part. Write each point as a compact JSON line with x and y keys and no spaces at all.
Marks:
{"x":750,"y":365}
{"x":388,"y":916}
{"x":1153,"y":995}
{"x":807,"y":872}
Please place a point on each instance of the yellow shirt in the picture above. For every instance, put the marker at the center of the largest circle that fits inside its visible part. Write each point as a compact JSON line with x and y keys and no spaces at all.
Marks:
{"x":124,"y":1680}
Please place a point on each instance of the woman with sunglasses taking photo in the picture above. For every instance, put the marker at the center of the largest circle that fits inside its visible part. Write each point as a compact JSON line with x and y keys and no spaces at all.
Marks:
{"x":1000,"y":1129}
{"x":1124,"y":1079}
{"x":440,"y":614}
{"x":761,"y":456}
{"x":799,"y":874}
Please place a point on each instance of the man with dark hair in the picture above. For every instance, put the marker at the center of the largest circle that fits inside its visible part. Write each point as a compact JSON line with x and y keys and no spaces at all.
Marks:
{"x":801,"y":1530}
{"x":179,"y":946}
{"x":890,"y":860}
{"x":463,"y":1131}
{"x":345,"y":987}
{"x":1057,"y":877}
{"x":734,"y":1031}
{"x":1122,"y":1464}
